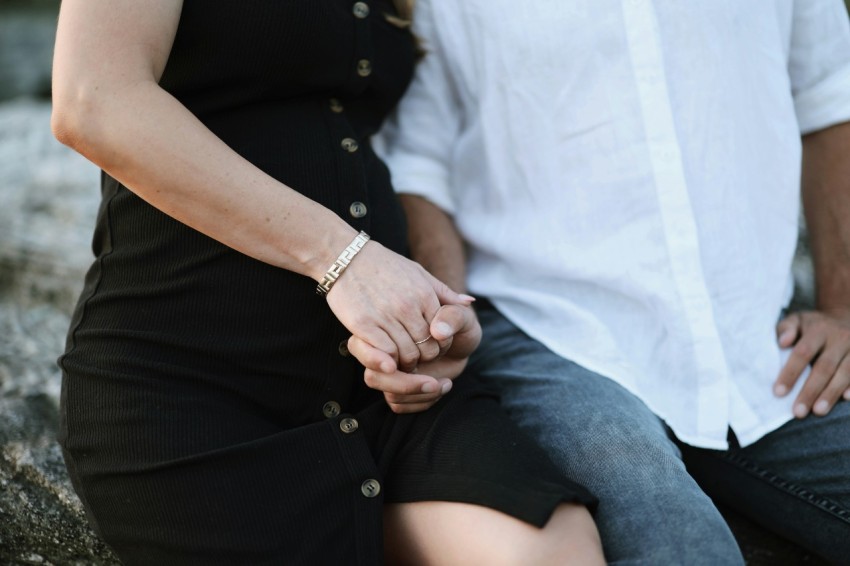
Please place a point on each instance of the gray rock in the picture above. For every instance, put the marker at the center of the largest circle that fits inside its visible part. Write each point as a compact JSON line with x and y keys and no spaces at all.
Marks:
{"x":41,"y":519}
{"x":48,"y":197}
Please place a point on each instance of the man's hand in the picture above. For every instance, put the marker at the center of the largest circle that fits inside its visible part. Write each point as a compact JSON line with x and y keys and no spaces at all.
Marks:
{"x":456,"y":330}
{"x":820,"y":339}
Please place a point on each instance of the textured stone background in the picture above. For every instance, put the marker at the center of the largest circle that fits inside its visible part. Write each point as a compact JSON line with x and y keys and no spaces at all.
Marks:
{"x":48,"y":198}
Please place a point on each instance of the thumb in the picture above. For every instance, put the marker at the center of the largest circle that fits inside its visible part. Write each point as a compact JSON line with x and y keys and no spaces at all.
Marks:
{"x":788,"y":330}
{"x":450,"y":320}
{"x":461,"y":324}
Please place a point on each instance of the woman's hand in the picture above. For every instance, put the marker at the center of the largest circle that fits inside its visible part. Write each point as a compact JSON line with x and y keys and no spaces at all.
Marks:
{"x":389,"y":302}
{"x":456,"y":333}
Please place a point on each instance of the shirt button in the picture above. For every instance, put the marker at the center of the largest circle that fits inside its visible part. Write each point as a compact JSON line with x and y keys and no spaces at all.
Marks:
{"x":336,"y":105}
{"x":360,"y":9}
{"x":348,"y":425}
{"x":349,"y":145}
{"x":343,"y":349}
{"x":357,"y":209}
{"x":330,"y":409}
{"x":370,"y":488}
{"x":364,"y":67}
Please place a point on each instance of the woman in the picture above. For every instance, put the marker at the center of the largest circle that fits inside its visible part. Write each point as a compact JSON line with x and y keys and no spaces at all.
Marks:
{"x":211,"y":411}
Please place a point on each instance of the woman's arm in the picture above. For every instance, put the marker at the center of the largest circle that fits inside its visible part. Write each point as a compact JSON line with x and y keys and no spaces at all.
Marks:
{"x":108,"y":106}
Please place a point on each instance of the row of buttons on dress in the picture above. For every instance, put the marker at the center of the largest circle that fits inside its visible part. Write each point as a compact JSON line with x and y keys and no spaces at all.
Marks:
{"x":361,"y":11}
{"x":357,"y":208}
{"x":370,"y":487}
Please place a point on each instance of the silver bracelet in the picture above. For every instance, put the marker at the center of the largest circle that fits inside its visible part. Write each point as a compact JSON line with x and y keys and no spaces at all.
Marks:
{"x":341,"y":263}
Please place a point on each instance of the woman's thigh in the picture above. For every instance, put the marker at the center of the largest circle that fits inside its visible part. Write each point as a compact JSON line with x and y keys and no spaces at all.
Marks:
{"x":427,"y":533}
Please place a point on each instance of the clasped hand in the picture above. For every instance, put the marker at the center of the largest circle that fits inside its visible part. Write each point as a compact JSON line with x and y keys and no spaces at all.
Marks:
{"x":409,"y":330}
{"x":455,"y":332}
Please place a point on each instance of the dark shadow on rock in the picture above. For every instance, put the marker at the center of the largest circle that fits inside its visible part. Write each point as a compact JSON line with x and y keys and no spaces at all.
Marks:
{"x":41,"y":520}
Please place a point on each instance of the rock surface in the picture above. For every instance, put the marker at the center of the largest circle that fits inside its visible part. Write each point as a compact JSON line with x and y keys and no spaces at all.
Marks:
{"x":48,"y":196}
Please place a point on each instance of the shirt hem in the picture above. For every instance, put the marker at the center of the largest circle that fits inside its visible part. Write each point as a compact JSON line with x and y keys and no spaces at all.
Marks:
{"x":745,"y":437}
{"x":752,"y":436}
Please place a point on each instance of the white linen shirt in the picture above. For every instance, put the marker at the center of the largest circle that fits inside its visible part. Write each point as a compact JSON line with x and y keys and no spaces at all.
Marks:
{"x":627,"y":176}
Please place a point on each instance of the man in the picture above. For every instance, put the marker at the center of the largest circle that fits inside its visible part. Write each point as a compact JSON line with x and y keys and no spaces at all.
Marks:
{"x":625,"y":178}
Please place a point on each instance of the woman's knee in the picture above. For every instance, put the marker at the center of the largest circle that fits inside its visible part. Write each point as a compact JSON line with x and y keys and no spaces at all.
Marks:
{"x":570,"y":537}
{"x":436,"y":533}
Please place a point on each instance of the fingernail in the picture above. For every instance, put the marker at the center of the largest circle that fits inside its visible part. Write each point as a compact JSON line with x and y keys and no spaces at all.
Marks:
{"x":800,"y":410}
{"x":443,"y":329}
{"x":430,"y":387}
{"x":821,"y":407}
{"x":447,"y":386}
{"x":847,"y":395}
{"x":469,"y":298}
{"x":780,"y":390}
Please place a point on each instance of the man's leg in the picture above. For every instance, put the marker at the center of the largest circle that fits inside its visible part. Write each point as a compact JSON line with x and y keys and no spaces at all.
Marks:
{"x":794,"y":481}
{"x":651,"y":511}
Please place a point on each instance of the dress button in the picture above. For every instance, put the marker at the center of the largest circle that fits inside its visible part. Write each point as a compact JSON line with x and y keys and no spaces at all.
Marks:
{"x":343,"y":349}
{"x":349,"y":145}
{"x":364,"y":67}
{"x":360,"y":9}
{"x":348,"y":425}
{"x":357,"y":209}
{"x":336,"y":105}
{"x":370,"y":488}
{"x":331,"y":409}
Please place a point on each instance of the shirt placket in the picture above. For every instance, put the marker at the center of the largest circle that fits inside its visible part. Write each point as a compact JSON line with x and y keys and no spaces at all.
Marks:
{"x":677,"y":216}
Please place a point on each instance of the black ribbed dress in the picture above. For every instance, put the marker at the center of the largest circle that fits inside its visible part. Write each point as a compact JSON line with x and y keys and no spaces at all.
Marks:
{"x":210,"y":412}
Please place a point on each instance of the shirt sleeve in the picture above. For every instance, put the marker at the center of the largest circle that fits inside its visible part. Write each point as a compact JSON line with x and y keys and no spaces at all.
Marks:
{"x":418,"y":140}
{"x":819,"y":63}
